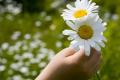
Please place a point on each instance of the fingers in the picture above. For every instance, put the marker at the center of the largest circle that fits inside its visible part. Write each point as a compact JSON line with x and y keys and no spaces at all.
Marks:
{"x":67,"y":52}
{"x":93,"y":63}
{"x":94,"y":59}
{"x":78,"y":56}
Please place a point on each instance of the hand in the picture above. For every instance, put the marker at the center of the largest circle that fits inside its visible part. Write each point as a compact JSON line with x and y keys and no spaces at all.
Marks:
{"x":71,"y":65}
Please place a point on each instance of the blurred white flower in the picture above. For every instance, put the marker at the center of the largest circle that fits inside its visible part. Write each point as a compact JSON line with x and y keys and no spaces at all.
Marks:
{"x":16,"y":77}
{"x":27,"y":36}
{"x":25,"y":47}
{"x":37,"y":36}
{"x":34,"y":73}
{"x":43,"y":14}
{"x":15,"y":66}
{"x":34,"y":60}
{"x":24,"y":70}
{"x":33,"y":45}
{"x":27,"y":55}
{"x":17,"y":57}
{"x":107,"y":16}
{"x":48,"y":18}
{"x":43,"y":50}
{"x":16,"y":35}
{"x":58,"y":44}
{"x":19,"y":43}
{"x":115,"y":17}
{"x":52,"y":27}
{"x":2,"y":68}
{"x":11,"y":50}
{"x":42,"y":64}
{"x":38,"y":23}
{"x":56,"y":3}
{"x":41,"y":55}
{"x":51,"y":54}
{"x":5,"y":46}
{"x":14,"y":9}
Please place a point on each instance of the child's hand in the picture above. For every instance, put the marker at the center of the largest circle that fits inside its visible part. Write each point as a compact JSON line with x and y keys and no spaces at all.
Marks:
{"x":71,"y":65}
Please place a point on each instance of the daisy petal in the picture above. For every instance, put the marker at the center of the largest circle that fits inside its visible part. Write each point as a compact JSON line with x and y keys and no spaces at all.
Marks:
{"x":101,"y":43}
{"x":97,"y":47}
{"x":103,"y":38}
{"x":69,"y":32}
{"x":69,"y":23}
{"x":87,"y":48}
{"x":74,"y":44}
{"x":70,"y":7}
{"x":91,"y":43}
{"x":77,"y":3}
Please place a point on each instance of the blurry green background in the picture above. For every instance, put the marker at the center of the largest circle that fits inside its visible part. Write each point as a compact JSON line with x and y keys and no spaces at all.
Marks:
{"x":31,"y":34}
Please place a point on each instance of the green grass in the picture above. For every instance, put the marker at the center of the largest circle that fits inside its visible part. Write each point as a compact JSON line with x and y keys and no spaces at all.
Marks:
{"x":50,"y":32}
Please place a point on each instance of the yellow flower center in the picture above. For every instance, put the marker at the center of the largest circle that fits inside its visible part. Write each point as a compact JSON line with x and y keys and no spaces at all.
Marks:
{"x":85,"y":32}
{"x":80,"y":13}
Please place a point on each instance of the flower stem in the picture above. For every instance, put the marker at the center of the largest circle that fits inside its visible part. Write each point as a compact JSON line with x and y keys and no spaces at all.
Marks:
{"x":98,"y":76}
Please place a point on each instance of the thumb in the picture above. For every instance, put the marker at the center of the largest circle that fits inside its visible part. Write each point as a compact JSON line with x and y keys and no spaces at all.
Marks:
{"x":67,"y":52}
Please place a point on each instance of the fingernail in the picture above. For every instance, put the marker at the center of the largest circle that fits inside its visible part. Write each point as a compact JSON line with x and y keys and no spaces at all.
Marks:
{"x":81,"y":47}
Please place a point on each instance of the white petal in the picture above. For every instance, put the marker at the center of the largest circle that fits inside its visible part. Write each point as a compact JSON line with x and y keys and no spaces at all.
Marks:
{"x":69,"y":32}
{"x":70,"y":7}
{"x":93,"y":7}
{"x":74,"y":44}
{"x":68,"y":17}
{"x":101,"y":43}
{"x":87,"y":49}
{"x":74,"y":41}
{"x":77,"y":3}
{"x":81,"y":42}
{"x":97,"y":47}
{"x":103,"y":38}
{"x":99,"y":37}
{"x":67,"y":11}
{"x":98,"y":18}
{"x":70,"y":24}
{"x":84,"y":4}
{"x":94,"y":45}
{"x":90,"y":1}
{"x":72,"y":37}
{"x":91,"y":43}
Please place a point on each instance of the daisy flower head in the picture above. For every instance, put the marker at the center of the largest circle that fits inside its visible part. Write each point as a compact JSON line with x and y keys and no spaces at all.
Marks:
{"x":82,"y":9}
{"x":86,"y":34}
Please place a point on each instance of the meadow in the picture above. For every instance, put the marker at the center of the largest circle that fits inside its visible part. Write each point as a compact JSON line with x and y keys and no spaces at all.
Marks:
{"x":31,"y":34}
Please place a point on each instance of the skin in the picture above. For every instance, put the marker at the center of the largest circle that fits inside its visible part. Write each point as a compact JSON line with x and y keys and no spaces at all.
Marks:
{"x":71,"y":65}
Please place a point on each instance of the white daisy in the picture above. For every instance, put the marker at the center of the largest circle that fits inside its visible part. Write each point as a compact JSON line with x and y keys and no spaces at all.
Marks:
{"x":82,"y":10}
{"x":87,"y":34}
